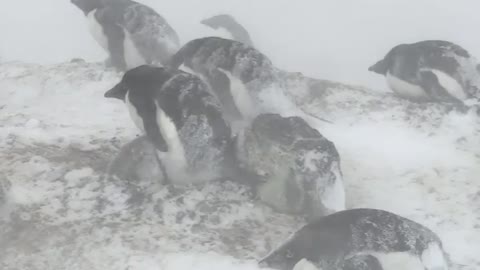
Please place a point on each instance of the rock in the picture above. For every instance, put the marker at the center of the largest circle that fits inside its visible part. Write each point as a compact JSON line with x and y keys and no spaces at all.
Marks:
{"x":300,"y":168}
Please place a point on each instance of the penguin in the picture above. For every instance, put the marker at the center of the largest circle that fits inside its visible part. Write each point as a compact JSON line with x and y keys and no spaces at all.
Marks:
{"x":330,"y":241}
{"x":181,"y":117}
{"x":137,"y":163}
{"x":131,"y":33}
{"x":235,"y":71}
{"x":227,"y":22}
{"x":244,"y":80}
{"x":299,"y":168}
{"x":430,"y":71}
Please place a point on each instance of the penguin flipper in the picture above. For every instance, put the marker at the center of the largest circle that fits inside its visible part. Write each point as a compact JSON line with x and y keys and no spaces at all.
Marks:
{"x":220,"y":84}
{"x":234,"y":171}
{"x":153,"y":133}
{"x":429,"y":81}
{"x":115,"y":38}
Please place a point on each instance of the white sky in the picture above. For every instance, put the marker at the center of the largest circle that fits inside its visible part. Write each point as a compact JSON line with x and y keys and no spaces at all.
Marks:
{"x":334,"y":39}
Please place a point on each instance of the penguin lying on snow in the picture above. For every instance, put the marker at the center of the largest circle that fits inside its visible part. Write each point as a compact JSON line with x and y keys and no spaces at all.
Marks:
{"x":235,"y":71}
{"x":299,"y":167}
{"x":227,"y":22}
{"x":132,"y":34}
{"x":183,"y":120}
{"x":331,"y":242}
{"x":137,"y":163}
{"x":431,"y":70}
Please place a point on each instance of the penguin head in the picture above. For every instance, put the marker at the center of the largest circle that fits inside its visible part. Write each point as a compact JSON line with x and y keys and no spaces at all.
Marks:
{"x":381,"y":67}
{"x":143,"y":79}
{"x":87,"y":5}
{"x":384,"y":65}
{"x":287,"y":255}
{"x":118,"y":91}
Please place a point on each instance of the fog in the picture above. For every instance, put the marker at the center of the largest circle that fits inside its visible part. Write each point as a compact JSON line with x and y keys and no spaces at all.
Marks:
{"x":335,"y":40}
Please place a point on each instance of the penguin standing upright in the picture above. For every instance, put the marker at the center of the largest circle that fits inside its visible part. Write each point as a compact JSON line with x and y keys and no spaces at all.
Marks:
{"x":235,"y":71}
{"x":431,"y":70}
{"x":183,"y":119}
{"x":245,"y":80}
{"x":131,"y":33}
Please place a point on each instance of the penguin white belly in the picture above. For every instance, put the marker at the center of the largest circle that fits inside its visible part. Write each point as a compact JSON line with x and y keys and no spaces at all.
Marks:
{"x":404,"y":88}
{"x":399,"y":260}
{"x":433,"y":257}
{"x":241,"y":96}
{"x":134,"y":113}
{"x":450,"y":84}
{"x":304,"y":264}
{"x":175,"y":160}
{"x":132,"y":56}
{"x":96,"y":30}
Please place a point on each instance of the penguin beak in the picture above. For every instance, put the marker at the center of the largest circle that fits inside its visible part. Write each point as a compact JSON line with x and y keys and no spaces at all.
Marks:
{"x":380,"y":67}
{"x":118,"y":91}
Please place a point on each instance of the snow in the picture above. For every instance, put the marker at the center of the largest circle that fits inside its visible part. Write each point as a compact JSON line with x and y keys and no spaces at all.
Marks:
{"x":58,"y":134}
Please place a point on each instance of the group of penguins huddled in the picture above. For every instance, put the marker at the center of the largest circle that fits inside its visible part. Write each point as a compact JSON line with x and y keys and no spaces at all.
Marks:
{"x":206,"y":108}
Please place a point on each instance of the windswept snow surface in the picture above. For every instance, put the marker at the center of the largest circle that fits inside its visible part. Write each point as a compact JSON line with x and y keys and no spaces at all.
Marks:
{"x":57,"y":211}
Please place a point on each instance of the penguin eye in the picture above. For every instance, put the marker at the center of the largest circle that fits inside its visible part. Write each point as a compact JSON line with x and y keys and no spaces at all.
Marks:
{"x":288,"y":254}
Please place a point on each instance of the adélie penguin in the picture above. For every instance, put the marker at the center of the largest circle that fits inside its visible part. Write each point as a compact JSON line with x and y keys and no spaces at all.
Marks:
{"x":431,"y":71}
{"x":178,"y":113}
{"x":131,"y":33}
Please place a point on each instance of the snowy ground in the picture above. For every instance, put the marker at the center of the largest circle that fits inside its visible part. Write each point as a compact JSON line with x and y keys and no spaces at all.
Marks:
{"x":58,"y":133}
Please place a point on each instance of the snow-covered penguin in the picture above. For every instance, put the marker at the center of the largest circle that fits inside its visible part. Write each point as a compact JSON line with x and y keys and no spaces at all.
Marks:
{"x":137,"y":163}
{"x":235,"y":71}
{"x":182,"y":118}
{"x":131,"y":33}
{"x":299,"y":168}
{"x":227,"y":22}
{"x":431,"y":70}
{"x":331,"y":241}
